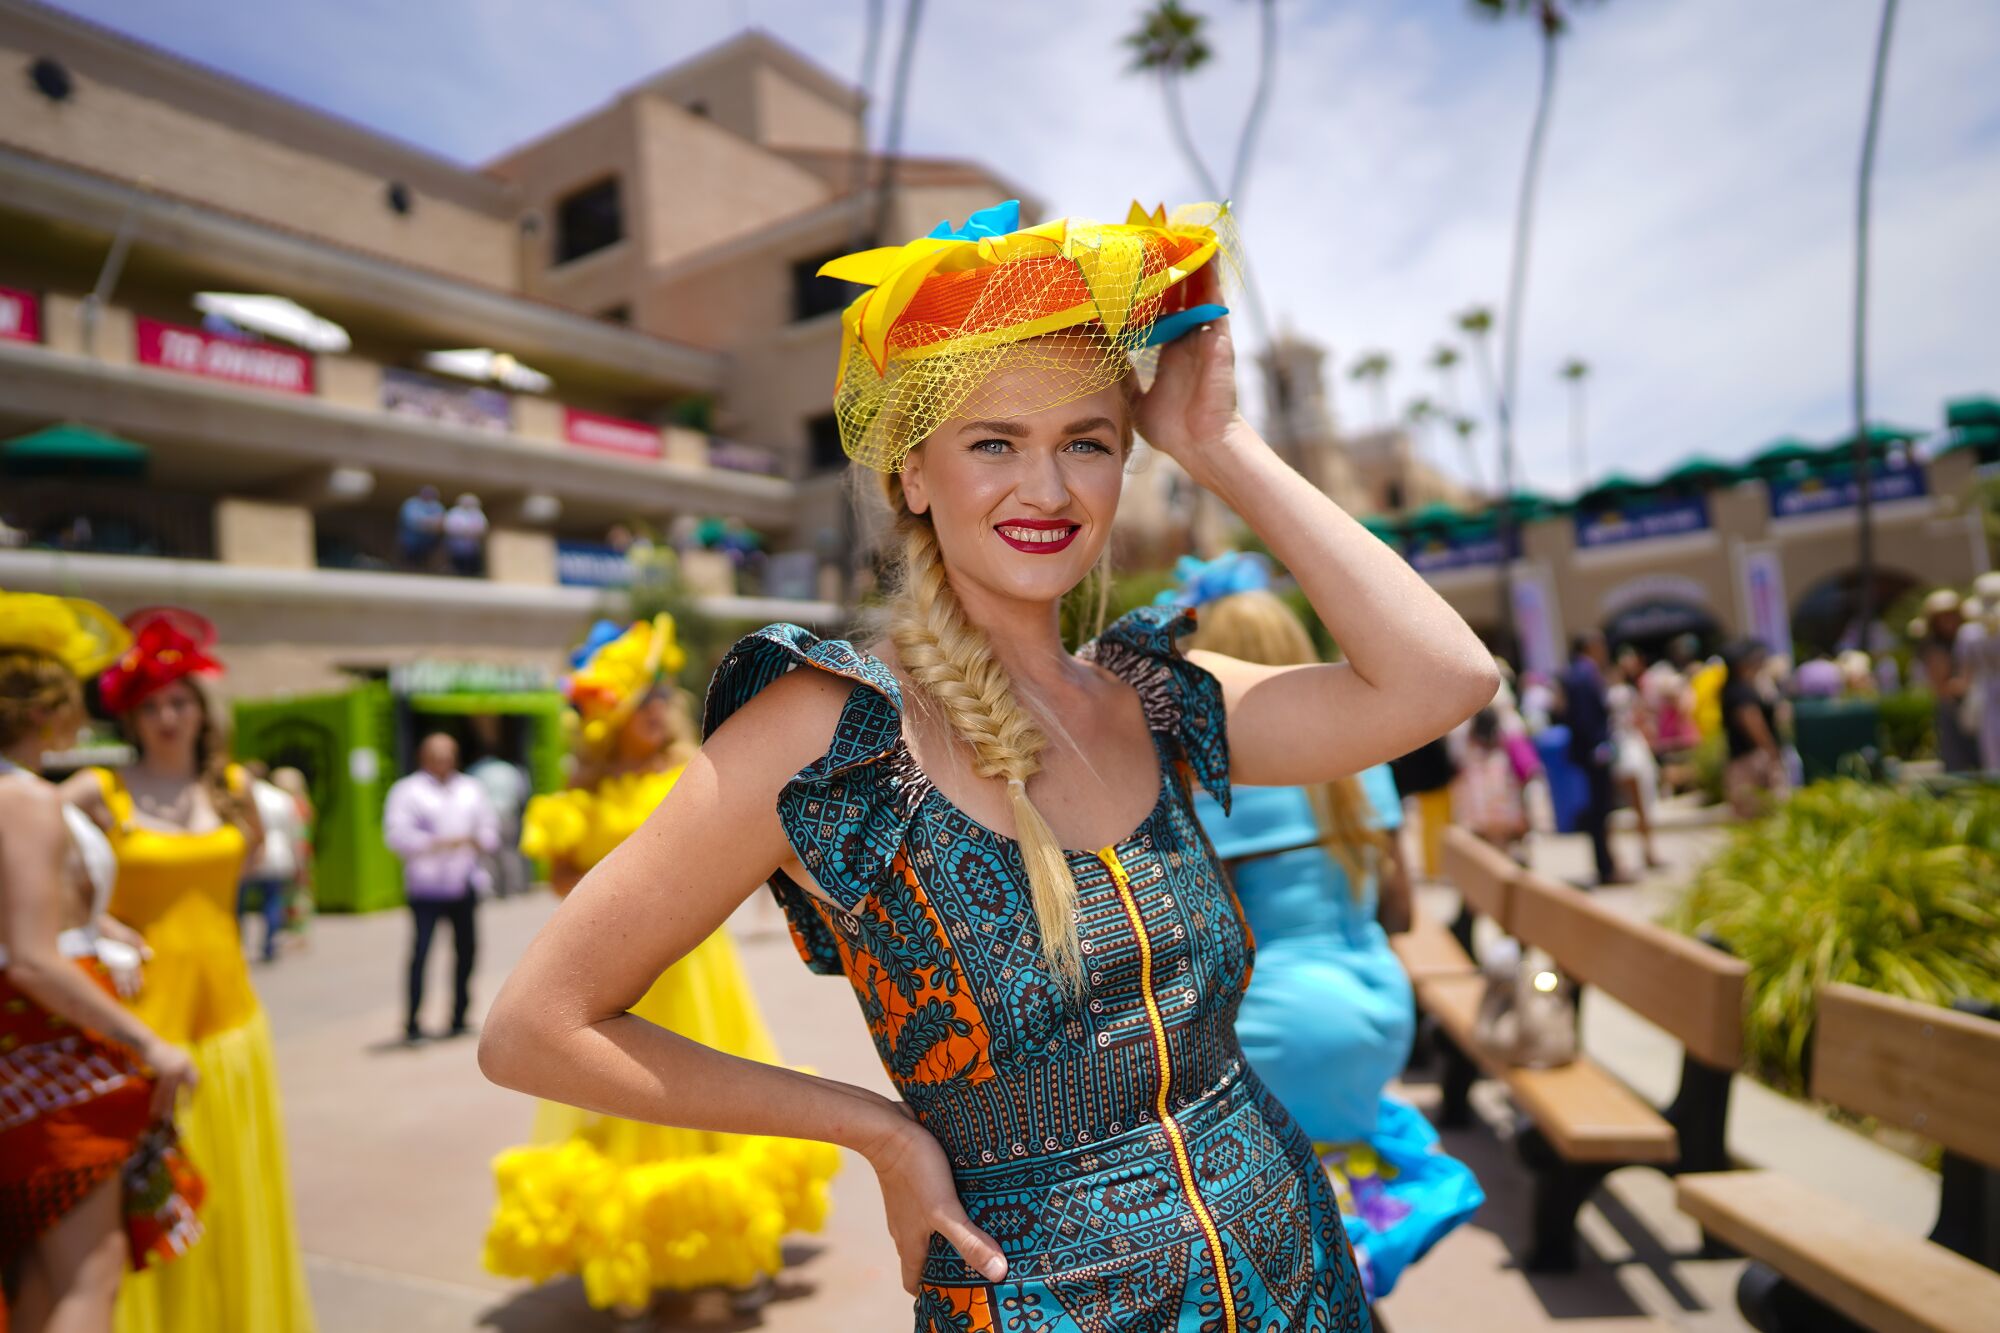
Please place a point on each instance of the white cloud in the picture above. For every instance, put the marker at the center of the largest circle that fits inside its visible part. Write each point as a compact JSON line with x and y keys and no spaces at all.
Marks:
{"x":1695,"y":217}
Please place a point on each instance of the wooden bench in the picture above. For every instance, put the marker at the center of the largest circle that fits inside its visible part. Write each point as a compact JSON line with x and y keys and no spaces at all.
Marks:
{"x":1820,"y":1263}
{"x":1428,"y":950}
{"x":1580,"y":1122}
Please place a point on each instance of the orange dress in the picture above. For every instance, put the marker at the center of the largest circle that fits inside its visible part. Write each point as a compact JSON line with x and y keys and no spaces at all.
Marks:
{"x":179,"y":891}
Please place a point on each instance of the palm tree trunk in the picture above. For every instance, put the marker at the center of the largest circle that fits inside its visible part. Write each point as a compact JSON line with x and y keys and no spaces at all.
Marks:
{"x":892,"y":137}
{"x":1510,"y":345}
{"x":1170,"y":88}
{"x":1260,"y":100}
{"x":1579,"y":463}
{"x":871,"y":50}
{"x":1863,"y":462}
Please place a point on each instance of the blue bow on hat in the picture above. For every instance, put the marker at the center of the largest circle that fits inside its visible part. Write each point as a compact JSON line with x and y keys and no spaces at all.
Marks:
{"x":1203,"y":581}
{"x":603,"y":632}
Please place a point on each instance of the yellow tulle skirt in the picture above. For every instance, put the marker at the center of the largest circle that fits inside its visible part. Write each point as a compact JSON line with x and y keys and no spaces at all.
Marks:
{"x":634,"y":1208}
{"x":245,"y":1272}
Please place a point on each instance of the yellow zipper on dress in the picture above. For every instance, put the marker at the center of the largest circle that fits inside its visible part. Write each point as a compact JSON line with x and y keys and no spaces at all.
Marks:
{"x":1182,"y":1162}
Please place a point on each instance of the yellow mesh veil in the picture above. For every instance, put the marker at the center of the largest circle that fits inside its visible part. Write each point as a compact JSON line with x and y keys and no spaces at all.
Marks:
{"x":1068,"y":306}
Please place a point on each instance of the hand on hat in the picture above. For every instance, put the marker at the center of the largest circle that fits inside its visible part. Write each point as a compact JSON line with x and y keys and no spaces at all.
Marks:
{"x":1190,"y":412}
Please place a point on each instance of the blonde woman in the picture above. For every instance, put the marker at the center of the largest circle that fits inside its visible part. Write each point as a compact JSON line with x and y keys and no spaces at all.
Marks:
{"x":634,"y":1208}
{"x":992,"y":838}
{"x":1328,"y":1018}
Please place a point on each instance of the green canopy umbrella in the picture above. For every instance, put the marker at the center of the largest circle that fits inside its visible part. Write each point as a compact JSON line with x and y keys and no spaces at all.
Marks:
{"x":1526,"y":506}
{"x":70,"y":448}
{"x":1881,"y":439}
{"x":1436,"y":514}
{"x":1784,"y":453}
{"x":1977,"y":411}
{"x":1613,"y":487}
{"x":1984,"y":439}
{"x":1702,"y":471}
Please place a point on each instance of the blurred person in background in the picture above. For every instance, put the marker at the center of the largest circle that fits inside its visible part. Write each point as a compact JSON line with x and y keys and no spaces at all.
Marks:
{"x":182,"y":822}
{"x":1587,"y":711}
{"x":1633,"y":765}
{"x":440,"y":822}
{"x":420,"y":528}
{"x":1488,"y":795}
{"x":1425,"y":775}
{"x":1818,"y":677}
{"x":299,"y":910}
{"x":92,"y":1178}
{"x":1328,"y":1019}
{"x":465,"y":536}
{"x":1755,"y":778}
{"x":272,"y":875}
{"x":633,"y":736}
{"x":1937,"y":667}
{"x":1977,"y":653}
{"x":508,"y":788}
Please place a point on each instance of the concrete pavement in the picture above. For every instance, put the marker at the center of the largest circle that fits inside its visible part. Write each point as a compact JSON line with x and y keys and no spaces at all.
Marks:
{"x":391,"y":1151}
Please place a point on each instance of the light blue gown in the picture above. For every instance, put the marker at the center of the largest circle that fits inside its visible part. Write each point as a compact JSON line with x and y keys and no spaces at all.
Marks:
{"x":1327,"y":1023}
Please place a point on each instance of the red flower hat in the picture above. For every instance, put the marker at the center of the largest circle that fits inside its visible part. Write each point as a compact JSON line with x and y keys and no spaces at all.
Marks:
{"x":167,"y":644}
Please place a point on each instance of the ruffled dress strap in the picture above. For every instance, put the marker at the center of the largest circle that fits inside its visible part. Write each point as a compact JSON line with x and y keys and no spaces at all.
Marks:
{"x":846,"y":813}
{"x":1182,"y":702}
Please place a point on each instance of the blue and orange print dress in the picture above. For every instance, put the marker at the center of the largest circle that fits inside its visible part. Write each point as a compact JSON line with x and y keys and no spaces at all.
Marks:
{"x":1135,"y":1172}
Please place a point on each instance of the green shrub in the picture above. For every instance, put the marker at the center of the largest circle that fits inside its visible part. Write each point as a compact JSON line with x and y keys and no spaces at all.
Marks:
{"x":1909,"y":725}
{"x":1711,"y":764}
{"x":1895,"y":891}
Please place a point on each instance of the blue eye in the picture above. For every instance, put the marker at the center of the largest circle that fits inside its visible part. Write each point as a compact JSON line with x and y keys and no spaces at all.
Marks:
{"x":1090,"y":446}
{"x":994,"y":446}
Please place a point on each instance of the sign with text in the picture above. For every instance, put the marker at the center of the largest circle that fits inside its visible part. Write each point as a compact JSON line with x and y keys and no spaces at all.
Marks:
{"x":591,"y":565}
{"x":1793,"y":497}
{"x":1435,"y":552}
{"x":196,"y":352}
{"x":20,"y":316}
{"x":740,"y":457}
{"x":594,"y":430}
{"x":411,"y":393}
{"x":1642,"y":520}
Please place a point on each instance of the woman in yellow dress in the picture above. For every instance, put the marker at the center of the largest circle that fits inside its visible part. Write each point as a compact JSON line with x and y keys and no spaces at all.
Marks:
{"x":636,"y":1209}
{"x":180,"y":820}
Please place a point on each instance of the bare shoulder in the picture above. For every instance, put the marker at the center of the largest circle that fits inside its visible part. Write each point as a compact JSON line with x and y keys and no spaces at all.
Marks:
{"x":85,"y":790}
{"x":29,"y":807}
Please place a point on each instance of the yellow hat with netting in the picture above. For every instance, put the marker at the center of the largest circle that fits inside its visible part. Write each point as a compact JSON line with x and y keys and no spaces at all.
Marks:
{"x":1068,"y":306}
{"x":82,"y":635}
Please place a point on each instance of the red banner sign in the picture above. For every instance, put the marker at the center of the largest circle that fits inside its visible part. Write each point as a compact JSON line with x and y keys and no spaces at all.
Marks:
{"x":20,"y":316}
{"x":195,"y":352}
{"x":593,"y":430}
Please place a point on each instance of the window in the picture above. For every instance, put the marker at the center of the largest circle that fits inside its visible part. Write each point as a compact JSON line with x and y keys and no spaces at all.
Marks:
{"x":589,"y":220}
{"x":698,"y":109}
{"x":1394,"y":496}
{"x":813,"y":295}
{"x":823,"y":432}
{"x":618,"y":314}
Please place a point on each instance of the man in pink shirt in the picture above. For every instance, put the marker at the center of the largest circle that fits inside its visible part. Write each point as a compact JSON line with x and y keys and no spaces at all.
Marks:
{"x":442,"y":825}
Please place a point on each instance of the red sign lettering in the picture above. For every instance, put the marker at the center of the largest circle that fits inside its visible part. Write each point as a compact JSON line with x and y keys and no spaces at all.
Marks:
{"x":593,"y":430}
{"x":20,"y":316}
{"x":195,"y":352}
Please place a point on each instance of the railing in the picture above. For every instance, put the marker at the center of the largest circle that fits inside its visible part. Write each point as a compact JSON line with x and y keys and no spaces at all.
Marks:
{"x":111,"y":518}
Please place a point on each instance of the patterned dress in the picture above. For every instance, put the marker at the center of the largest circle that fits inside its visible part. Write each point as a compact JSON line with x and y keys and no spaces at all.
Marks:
{"x":1136,"y":1173}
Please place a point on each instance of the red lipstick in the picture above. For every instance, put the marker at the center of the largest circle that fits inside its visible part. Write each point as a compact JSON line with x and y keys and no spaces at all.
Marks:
{"x":1048,"y":535}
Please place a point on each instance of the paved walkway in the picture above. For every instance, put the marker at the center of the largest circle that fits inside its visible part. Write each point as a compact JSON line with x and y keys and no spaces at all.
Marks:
{"x":390,"y":1152}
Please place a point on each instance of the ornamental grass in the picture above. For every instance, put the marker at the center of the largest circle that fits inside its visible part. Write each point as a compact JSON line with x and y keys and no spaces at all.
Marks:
{"x":1897,"y":891}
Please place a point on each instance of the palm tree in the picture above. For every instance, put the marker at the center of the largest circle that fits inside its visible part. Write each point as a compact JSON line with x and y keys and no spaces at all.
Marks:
{"x":1576,"y":370}
{"x":1552,"y":22}
{"x":1418,"y":414}
{"x":1444,"y":360}
{"x":892,"y":137}
{"x":1260,"y":99}
{"x":1169,"y":42}
{"x":1372,"y":369}
{"x":1476,"y":323}
{"x":1864,"y":516}
{"x":1464,"y":427}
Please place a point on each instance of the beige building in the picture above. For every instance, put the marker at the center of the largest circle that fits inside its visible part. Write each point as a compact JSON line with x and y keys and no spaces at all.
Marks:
{"x":649,"y":347}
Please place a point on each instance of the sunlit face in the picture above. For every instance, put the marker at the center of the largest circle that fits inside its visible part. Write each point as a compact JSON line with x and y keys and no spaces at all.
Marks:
{"x":1023,"y":503}
{"x":438,"y":756}
{"x":648,"y":731}
{"x":168,"y":718}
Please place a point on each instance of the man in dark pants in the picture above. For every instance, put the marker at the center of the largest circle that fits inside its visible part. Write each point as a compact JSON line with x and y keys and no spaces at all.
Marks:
{"x":1587,"y":711}
{"x":442,"y":824}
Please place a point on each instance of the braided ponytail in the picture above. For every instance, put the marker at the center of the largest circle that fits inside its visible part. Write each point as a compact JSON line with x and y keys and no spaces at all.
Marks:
{"x":951,"y":661}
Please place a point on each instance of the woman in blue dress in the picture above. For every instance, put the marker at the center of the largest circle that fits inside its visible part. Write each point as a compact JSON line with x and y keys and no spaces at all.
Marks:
{"x":1328,"y":1018}
{"x":993,"y":839}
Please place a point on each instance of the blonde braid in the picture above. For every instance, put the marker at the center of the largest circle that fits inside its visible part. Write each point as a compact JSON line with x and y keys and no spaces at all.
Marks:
{"x":951,"y":661}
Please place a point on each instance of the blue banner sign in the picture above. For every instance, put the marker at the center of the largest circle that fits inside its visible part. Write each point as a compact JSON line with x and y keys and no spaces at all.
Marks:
{"x":1642,"y":519}
{"x":1435,"y":552}
{"x":591,"y":565}
{"x":1792,"y":497}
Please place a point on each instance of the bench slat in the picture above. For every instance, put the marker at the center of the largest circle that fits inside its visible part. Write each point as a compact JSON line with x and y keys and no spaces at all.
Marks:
{"x":1882,"y":1279}
{"x":1930,"y":1070}
{"x":1693,"y":992}
{"x":1483,"y":875}
{"x":1427,"y":949}
{"x":1581,"y":1108}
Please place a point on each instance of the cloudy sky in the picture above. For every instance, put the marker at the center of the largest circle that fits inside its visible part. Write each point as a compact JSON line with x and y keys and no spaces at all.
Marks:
{"x":1696,"y":217}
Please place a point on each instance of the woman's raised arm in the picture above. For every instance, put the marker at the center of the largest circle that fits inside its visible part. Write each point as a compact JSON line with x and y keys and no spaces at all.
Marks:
{"x":560,"y":1028}
{"x":1413,"y":668}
